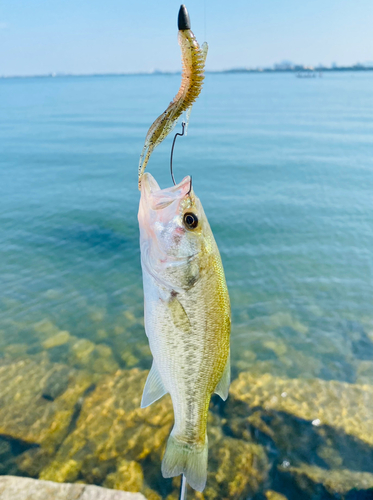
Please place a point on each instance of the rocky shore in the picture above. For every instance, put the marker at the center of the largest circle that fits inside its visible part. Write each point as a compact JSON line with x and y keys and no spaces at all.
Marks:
{"x":275,"y":438}
{"x":22,"y":488}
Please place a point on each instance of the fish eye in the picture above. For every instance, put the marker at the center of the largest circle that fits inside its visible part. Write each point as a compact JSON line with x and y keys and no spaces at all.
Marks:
{"x":190,"y":220}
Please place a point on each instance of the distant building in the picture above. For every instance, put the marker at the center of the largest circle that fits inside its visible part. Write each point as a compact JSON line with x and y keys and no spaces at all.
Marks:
{"x":283,"y":66}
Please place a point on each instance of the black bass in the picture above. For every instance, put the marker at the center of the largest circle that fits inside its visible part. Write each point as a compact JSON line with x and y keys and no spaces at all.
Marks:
{"x":187,"y":319}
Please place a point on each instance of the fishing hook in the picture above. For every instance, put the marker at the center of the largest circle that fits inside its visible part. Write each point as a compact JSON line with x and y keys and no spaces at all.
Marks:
{"x":190,"y":187}
{"x":183,"y":487}
{"x":172,"y":152}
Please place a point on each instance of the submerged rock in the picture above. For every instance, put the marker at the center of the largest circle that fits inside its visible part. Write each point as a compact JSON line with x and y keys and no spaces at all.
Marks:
{"x":87,"y":355}
{"x":274,"y":495}
{"x":68,"y":430}
{"x":128,"y":477}
{"x":56,"y":383}
{"x":81,"y":352}
{"x":128,"y":358}
{"x":21,"y":488}
{"x":364,"y":372}
{"x":45,"y":329}
{"x":37,"y":404}
{"x":28,"y":416}
{"x":14,"y":351}
{"x":237,"y":469}
{"x":56,"y":340}
{"x":337,"y":482}
{"x":282,"y":319}
{"x":342,"y":406}
{"x":111,"y":428}
{"x":326,"y":423}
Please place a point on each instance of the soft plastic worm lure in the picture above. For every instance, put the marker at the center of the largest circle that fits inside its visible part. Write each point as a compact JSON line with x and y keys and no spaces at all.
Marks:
{"x":193,"y":60}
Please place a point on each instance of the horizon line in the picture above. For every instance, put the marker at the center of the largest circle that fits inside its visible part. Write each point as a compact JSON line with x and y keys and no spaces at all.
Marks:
{"x":290,"y":69}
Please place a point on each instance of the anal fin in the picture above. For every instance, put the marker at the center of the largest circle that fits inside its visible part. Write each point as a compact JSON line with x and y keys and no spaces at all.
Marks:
{"x":222,"y":388}
{"x":154,"y":388}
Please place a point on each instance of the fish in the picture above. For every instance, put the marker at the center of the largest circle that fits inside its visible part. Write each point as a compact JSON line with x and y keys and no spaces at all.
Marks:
{"x":193,"y":59}
{"x":187,"y":319}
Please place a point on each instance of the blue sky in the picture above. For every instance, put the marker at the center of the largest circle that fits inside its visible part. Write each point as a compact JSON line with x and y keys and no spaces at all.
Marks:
{"x":96,"y":36}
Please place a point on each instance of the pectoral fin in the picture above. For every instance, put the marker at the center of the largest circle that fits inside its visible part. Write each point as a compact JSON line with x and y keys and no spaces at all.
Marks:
{"x":154,"y":388}
{"x":178,"y":315}
{"x":222,"y":388}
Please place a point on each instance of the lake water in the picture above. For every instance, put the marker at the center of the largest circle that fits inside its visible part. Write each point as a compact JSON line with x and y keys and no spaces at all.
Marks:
{"x":284,"y":169}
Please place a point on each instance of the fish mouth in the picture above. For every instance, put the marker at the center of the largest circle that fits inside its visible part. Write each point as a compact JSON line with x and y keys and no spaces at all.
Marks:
{"x":161,"y":198}
{"x":149,"y":183}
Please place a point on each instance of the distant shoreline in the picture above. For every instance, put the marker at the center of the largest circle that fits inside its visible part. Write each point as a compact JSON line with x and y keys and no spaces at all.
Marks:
{"x":296,"y":70}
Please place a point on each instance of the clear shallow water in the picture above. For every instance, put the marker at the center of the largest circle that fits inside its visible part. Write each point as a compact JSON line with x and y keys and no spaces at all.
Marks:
{"x":284,"y":169}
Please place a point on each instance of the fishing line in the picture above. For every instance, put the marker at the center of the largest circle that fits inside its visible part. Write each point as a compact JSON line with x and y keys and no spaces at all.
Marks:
{"x":204,"y":104}
{"x":183,"y":488}
{"x":204,"y":18}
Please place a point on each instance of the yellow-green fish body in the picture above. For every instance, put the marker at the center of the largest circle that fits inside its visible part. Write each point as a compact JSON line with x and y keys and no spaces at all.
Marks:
{"x":187,"y":319}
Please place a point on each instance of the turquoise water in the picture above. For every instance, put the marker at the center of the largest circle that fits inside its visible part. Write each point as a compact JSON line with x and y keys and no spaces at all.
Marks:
{"x":284,"y":169}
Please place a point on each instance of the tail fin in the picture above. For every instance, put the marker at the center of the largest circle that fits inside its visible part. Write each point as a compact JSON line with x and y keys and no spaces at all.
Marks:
{"x":190,"y":460}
